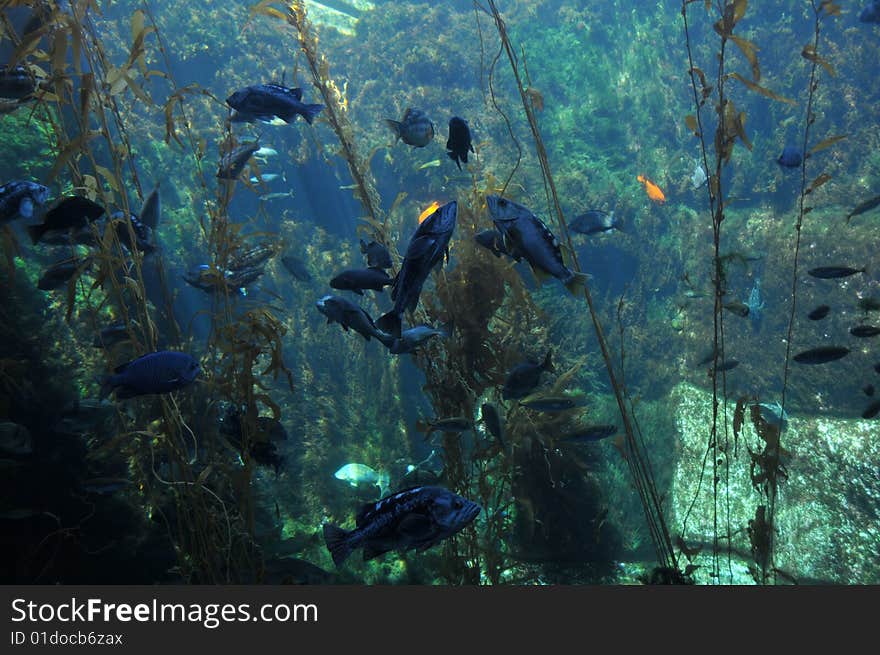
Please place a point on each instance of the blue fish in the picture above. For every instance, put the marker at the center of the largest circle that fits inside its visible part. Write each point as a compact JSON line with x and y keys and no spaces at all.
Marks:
{"x":159,"y":372}
{"x":427,"y":248}
{"x":264,"y":102}
{"x":416,"y":518}
{"x":790,"y":157}
{"x":19,"y":198}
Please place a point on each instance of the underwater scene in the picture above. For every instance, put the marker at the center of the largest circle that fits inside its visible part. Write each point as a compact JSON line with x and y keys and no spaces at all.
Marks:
{"x":440,"y":293}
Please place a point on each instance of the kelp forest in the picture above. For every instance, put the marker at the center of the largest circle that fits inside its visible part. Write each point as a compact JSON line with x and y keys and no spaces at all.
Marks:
{"x":622,"y":329}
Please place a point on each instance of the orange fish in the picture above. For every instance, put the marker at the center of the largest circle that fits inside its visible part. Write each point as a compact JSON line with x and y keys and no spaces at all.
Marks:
{"x":434,"y":206}
{"x":654,"y":192}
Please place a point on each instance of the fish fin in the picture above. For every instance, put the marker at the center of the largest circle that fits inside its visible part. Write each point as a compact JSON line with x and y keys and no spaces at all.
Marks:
{"x":26,"y":208}
{"x":297,"y":93}
{"x":338,"y":543}
{"x":310,"y":112}
{"x":390,"y":324}
{"x":447,"y":328}
{"x":359,"y":292}
{"x":577,"y":283}
{"x":36,"y":232}
{"x":363,"y":247}
{"x":396,"y":127}
{"x":540,"y":276}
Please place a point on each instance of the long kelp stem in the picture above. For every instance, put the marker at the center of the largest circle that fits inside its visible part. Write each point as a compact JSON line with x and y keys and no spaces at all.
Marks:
{"x":335,"y":113}
{"x":636,"y":456}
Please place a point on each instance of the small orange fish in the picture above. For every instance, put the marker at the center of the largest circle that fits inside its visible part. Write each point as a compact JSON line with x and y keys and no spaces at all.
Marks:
{"x":434,"y":206}
{"x":654,"y":192}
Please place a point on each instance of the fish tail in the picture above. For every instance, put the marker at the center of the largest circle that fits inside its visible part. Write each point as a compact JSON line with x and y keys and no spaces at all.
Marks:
{"x":310,"y":112}
{"x":36,"y":232}
{"x":577,"y":283}
{"x":338,"y":543}
{"x":447,"y":328}
{"x":395,"y":126}
{"x":390,"y":324}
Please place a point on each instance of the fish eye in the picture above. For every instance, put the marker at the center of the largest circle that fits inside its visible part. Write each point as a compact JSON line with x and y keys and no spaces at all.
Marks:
{"x":502,"y":202}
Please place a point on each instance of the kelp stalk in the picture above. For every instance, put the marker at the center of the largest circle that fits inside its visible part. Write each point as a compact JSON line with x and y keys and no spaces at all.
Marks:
{"x":636,"y":456}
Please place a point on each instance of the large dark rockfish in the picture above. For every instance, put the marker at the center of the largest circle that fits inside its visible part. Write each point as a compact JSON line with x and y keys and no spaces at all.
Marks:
{"x":414,"y":518}
{"x":527,"y":235}
{"x":426,"y":249}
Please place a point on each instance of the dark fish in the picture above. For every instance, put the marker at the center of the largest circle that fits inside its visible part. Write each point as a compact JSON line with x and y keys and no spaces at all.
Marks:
{"x":459,"y":142}
{"x":361,"y":278}
{"x":821,"y":355}
{"x":17,"y":83}
{"x":453,"y":424}
{"x":414,"y":129}
{"x":427,"y":247}
{"x":158,"y":372}
{"x":491,"y":240}
{"x":737,"y":307}
{"x":416,"y":518}
{"x":594,"y":222}
{"x":525,"y":233}
{"x":589,"y":433}
{"x":151,"y":209}
{"x":83,"y":236}
{"x":524,"y":377}
{"x":253,"y":257}
{"x":865,"y":206}
{"x":59,"y":273}
{"x":872,"y":410}
{"x":869,"y":304}
{"x":819,"y":313}
{"x":490,"y":418}
{"x":339,"y":310}
{"x":415,"y":336}
{"x":864,"y":331}
{"x":833,"y":272}
{"x":68,"y":213}
{"x":143,"y":234}
{"x":553,"y":403}
{"x":871,"y":13}
{"x":206,"y":278}
{"x":232,"y":163}
{"x":790,"y":157}
{"x":19,"y":198}
{"x":297,"y":268}
{"x":377,"y":254}
{"x":243,"y":278}
{"x":111,"y":335}
{"x":706,"y":357}
{"x":264,"y":102}
{"x":868,"y":389}
{"x":727,"y":365}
